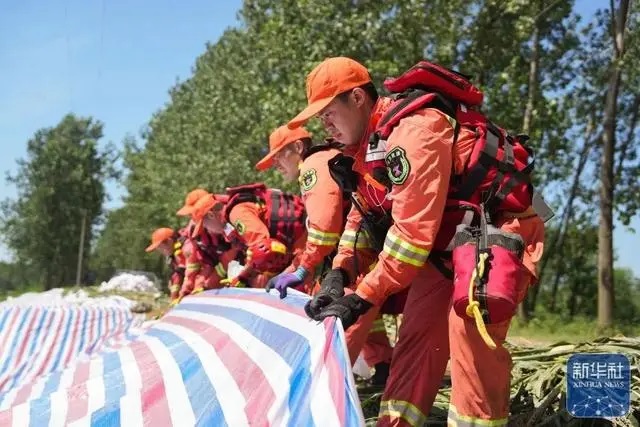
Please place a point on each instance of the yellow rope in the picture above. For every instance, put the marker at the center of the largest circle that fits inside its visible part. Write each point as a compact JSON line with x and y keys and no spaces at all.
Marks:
{"x":473,"y":308}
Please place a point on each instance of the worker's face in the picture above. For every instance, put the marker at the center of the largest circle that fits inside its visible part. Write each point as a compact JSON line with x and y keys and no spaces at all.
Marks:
{"x":346,"y":117}
{"x":165,"y":247}
{"x":286,"y":161}
{"x":213,"y":224}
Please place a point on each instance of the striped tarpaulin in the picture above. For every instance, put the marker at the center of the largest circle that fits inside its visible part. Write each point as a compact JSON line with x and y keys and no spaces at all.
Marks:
{"x":39,"y":339}
{"x":229,"y":357}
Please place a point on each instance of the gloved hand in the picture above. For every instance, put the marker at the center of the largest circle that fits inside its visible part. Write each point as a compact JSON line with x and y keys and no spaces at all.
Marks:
{"x":331,"y":288}
{"x":240,"y":280}
{"x":348,"y":309}
{"x":284,"y":280}
{"x":236,"y":282}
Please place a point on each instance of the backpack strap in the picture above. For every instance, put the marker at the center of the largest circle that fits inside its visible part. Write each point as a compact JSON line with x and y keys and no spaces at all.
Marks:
{"x":408,"y":102}
{"x":241,"y":197}
{"x":328,"y":144}
{"x":488,"y":159}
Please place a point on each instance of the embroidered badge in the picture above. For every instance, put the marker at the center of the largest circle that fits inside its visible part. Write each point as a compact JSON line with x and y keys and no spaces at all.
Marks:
{"x":398,"y":166}
{"x":308,"y":179}
{"x":239,"y":226}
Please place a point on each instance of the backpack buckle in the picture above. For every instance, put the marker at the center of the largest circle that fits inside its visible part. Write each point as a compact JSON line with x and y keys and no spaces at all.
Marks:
{"x":374,"y":139}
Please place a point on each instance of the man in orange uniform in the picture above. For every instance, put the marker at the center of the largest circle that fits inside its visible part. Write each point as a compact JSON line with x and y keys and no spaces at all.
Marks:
{"x":172,"y":245}
{"x":421,"y":158}
{"x":210,"y":254}
{"x":263,"y":255}
{"x":292,"y":154}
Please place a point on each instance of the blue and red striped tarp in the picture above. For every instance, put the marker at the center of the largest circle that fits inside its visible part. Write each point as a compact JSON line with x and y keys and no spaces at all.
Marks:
{"x":37,"y":339}
{"x":229,"y":357}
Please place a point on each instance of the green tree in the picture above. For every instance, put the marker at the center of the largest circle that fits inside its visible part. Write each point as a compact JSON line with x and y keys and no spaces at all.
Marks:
{"x":60,"y":181}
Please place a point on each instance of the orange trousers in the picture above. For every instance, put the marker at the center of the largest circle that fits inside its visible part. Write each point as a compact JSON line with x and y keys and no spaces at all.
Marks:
{"x":431,"y":332}
{"x":369,"y":336}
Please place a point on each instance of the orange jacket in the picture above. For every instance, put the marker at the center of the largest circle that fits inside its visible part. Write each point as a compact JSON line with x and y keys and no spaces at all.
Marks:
{"x":417,"y":204}
{"x":249,"y":220}
{"x":325,"y":206}
{"x":203,"y":272}
{"x":425,"y":140}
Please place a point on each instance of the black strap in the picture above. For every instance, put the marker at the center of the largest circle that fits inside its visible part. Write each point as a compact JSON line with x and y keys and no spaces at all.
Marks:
{"x":440,"y":102}
{"x":438,"y":258}
{"x":326,"y":145}
{"x":341,"y":170}
{"x":487,"y":159}
{"x":482,"y":246}
{"x":241,"y":197}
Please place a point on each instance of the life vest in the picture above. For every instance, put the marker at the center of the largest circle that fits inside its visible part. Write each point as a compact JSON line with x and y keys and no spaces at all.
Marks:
{"x":497,"y":172}
{"x":495,"y":180}
{"x":285,"y":214}
{"x":211,"y":246}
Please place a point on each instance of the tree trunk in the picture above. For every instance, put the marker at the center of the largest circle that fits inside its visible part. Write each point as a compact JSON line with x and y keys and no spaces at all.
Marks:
{"x":556,"y":243}
{"x":523,"y":307}
{"x":605,"y":229}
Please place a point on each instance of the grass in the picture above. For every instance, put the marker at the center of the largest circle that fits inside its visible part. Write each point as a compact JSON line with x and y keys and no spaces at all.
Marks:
{"x":547,"y":328}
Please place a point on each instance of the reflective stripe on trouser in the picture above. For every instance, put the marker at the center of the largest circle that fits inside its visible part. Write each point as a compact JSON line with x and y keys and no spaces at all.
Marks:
{"x":193,"y":266}
{"x":456,"y":420}
{"x":322,"y":238}
{"x":348,"y":240}
{"x":396,"y":410}
{"x":378,"y":326}
{"x":404,"y":251}
{"x":220,"y":270}
{"x":421,"y":354}
{"x":481,"y":397}
{"x":377,"y":348}
{"x":358,"y":333}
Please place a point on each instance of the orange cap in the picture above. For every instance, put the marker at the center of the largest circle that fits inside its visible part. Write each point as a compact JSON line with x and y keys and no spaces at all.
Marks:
{"x":329,"y":79}
{"x":201,"y":208}
{"x":159,"y":236}
{"x":279,"y":139}
{"x":190,"y":200}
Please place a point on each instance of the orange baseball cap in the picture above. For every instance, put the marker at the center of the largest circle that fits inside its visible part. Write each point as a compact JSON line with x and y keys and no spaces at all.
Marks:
{"x":201,"y":208}
{"x":279,"y":139}
{"x":329,"y":79}
{"x":159,"y":236}
{"x":190,"y":200}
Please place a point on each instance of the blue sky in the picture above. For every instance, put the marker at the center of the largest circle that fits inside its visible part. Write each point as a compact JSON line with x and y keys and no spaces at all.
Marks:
{"x":115,"y":60}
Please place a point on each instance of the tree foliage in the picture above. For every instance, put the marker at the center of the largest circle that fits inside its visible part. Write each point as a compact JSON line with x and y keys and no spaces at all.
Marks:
{"x":60,"y":181}
{"x":544,"y":70}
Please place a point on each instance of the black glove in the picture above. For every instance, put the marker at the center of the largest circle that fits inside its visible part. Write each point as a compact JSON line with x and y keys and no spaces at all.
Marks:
{"x":348,"y":309}
{"x":331,"y":288}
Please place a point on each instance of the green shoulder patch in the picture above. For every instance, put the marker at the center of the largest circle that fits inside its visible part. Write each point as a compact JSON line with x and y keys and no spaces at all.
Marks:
{"x":239,"y":226}
{"x":308,"y":179}
{"x":398,"y":166}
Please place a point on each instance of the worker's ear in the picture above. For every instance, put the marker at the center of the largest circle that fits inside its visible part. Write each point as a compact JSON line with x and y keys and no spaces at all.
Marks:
{"x":298,"y":147}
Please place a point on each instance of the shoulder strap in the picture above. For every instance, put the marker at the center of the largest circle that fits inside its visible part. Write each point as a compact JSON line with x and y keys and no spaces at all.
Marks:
{"x":248,"y":195}
{"x":408,"y":102}
{"x":326,"y":145}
